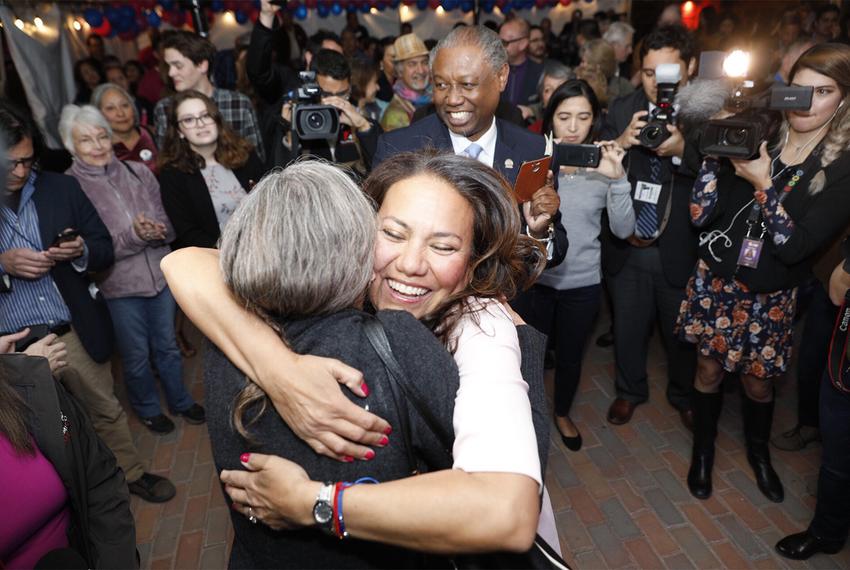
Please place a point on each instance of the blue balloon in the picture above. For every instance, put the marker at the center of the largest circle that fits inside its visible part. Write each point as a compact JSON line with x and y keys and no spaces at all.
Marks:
{"x":112,"y":14}
{"x":449,"y":5}
{"x":364,"y":7}
{"x":217,"y":5}
{"x":323,"y":10}
{"x":301,"y":12}
{"x":422,"y":4}
{"x":351,"y":7}
{"x":467,"y":6}
{"x":336,"y":9}
{"x":167,"y":5}
{"x":394,"y":4}
{"x":488,"y":6}
{"x":94,"y":17}
{"x":127,"y":12}
{"x":153,"y":19}
{"x":241,"y":17}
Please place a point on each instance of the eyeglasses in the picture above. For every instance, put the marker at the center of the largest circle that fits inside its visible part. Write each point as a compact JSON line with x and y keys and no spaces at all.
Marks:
{"x":26,"y":162}
{"x":344,"y":93}
{"x":506,"y":43}
{"x":200,"y":120}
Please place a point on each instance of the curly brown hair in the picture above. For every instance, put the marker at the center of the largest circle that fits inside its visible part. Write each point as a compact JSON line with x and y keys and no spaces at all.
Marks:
{"x":232,"y":151}
{"x":503,"y":261}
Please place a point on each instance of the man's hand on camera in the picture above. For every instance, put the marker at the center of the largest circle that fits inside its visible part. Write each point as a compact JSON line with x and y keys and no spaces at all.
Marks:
{"x":629,"y":137}
{"x":348,"y":113}
{"x":673,"y":146}
{"x":757,"y":171}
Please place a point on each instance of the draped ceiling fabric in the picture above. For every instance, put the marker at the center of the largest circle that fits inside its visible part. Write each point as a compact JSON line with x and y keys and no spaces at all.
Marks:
{"x":46,"y":68}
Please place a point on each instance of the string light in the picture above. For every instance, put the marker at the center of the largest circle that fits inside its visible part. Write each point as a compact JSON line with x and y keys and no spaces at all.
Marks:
{"x":39,"y":23}
{"x":19,"y":24}
{"x":373,"y":11}
{"x":440,"y":11}
{"x":228,"y":18}
{"x":77,"y":25}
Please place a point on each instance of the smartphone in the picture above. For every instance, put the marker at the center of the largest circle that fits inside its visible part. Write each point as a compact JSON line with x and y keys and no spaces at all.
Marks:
{"x":531,"y":177}
{"x":586,"y":155}
{"x":37,"y":332}
{"x":62,"y":237}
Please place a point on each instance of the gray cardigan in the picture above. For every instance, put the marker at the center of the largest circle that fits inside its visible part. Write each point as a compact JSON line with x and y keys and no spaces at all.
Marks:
{"x":584,"y":198}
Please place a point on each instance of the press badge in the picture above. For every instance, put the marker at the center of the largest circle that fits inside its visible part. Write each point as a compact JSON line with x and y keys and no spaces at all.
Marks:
{"x":647,"y":192}
{"x":750,"y":252}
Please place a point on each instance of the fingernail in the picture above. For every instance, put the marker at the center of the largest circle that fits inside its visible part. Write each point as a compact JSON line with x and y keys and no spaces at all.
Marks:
{"x":389,"y":430}
{"x":245,"y":457}
{"x":348,"y":459}
{"x":365,"y":388}
{"x":369,"y":455}
{"x":384,"y":440}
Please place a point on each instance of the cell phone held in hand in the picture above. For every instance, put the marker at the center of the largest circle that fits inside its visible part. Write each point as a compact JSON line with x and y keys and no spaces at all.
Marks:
{"x":531,"y":177}
{"x":582,"y":155}
{"x":66,"y":236}
{"x":37,"y":332}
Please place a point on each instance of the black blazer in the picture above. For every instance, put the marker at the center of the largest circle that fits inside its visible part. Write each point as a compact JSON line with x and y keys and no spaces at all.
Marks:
{"x":514,"y":145}
{"x":102,"y":528}
{"x":528,"y":88}
{"x":678,"y":242}
{"x":61,"y":203}
{"x":187,"y":202}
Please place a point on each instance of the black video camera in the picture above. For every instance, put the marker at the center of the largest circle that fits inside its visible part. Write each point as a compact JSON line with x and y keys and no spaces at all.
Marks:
{"x":667,"y":77}
{"x":756,"y":118}
{"x":310,"y":119}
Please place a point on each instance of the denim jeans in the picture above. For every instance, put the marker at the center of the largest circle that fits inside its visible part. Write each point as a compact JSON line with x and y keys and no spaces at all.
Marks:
{"x":144,"y":331}
{"x":832,"y":512}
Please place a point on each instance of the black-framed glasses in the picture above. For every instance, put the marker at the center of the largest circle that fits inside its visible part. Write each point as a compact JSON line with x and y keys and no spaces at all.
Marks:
{"x":506,"y":43}
{"x":192,"y":122}
{"x":26,"y":162}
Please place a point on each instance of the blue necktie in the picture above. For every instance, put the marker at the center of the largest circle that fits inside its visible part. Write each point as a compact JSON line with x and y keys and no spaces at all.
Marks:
{"x":473,"y":150}
{"x":646,"y":223}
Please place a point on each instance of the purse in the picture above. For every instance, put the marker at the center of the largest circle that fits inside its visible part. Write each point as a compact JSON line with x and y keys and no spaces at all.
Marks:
{"x":837,"y":365}
{"x":540,"y":556}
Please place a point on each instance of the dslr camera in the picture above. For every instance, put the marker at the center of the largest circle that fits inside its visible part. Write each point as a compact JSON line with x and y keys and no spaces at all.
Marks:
{"x":667,"y":77}
{"x":756,"y":112}
{"x":310,"y":119}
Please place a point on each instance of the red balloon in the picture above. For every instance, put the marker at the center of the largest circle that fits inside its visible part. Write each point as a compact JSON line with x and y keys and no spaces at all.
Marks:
{"x":541,"y":3}
{"x":434,"y":4}
{"x":409,"y":2}
{"x":501,"y":3}
{"x":311,"y":4}
{"x":565,"y":2}
{"x":104,"y":29}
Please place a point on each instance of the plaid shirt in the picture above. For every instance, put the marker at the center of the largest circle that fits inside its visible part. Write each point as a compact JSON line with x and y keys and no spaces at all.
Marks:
{"x":235,"y":109}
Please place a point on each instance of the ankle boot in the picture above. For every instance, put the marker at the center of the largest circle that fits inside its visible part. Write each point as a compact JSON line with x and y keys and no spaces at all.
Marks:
{"x":758,"y":418}
{"x":706,"y":409}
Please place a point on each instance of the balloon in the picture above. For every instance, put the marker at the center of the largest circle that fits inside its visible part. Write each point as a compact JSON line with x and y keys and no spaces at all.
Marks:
{"x":422,"y":4}
{"x":311,"y":4}
{"x":153,"y":19}
{"x":565,"y":2}
{"x":434,"y":4}
{"x":93,"y":17}
{"x":336,"y":9}
{"x":104,"y":29}
{"x":217,"y":5}
{"x":467,"y":6}
{"x":167,"y":5}
{"x":449,"y":5}
{"x":112,"y":14}
{"x":241,"y":17}
{"x":488,"y":6}
{"x":351,"y":7}
{"x":394,"y":4}
{"x":364,"y":7}
{"x":323,"y":10}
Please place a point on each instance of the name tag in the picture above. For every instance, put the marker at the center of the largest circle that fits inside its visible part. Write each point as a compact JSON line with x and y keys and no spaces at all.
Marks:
{"x":750,"y":253}
{"x":647,"y":192}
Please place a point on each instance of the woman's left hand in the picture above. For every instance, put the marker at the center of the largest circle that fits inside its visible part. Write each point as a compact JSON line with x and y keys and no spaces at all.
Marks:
{"x":276,"y":491}
{"x":757,"y":171}
{"x":611,"y":163}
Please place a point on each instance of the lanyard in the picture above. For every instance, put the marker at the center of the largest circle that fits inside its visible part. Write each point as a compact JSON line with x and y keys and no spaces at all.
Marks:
{"x":756,"y":213}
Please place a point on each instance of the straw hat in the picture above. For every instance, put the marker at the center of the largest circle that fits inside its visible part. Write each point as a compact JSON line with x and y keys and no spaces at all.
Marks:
{"x":408,"y":46}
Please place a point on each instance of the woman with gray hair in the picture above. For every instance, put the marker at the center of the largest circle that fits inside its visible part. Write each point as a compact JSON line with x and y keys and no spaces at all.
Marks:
{"x":126,"y":196}
{"x":554,"y":74}
{"x":130,"y":140}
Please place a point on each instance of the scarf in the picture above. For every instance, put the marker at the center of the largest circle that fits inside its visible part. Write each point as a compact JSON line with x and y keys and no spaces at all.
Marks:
{"x":414,"y":97}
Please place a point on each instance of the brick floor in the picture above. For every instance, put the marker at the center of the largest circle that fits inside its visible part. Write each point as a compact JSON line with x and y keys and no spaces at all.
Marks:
{"x":621,"y":502}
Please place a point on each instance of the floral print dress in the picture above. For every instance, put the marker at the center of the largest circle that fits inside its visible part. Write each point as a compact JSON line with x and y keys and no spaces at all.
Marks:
{"x":744,"y":331}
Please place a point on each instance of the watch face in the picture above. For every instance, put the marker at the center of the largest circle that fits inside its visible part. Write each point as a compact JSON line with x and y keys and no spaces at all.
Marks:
{"x":322,"y":512}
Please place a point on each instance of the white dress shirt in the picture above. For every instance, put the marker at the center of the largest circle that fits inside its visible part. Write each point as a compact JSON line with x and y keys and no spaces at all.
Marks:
{"x":487,"y":142}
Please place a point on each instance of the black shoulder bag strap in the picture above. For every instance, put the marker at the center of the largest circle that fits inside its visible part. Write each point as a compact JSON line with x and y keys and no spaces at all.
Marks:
{"x":837,"y":365}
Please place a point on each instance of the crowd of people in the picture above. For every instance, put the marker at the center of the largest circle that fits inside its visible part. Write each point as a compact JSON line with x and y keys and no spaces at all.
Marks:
{"x":384,"y":281}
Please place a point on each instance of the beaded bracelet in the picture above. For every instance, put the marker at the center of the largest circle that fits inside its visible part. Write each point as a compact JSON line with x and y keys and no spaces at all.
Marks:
{"x":339,"y":489}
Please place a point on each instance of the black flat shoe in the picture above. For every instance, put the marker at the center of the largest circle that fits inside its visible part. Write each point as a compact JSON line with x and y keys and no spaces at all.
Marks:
{"x":804,"y":545}
{"x":572,"y":443}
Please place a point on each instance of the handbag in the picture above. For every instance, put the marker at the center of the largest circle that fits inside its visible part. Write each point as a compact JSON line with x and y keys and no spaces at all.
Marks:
{"x":837,"y":365}
{"x":540,"y":556}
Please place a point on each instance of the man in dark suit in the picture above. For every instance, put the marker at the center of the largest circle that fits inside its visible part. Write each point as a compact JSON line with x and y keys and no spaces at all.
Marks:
{"x":44,"y":287}
{"x":466,"y":93}
{"x":647,"y":274}
{"x":525,"y":73}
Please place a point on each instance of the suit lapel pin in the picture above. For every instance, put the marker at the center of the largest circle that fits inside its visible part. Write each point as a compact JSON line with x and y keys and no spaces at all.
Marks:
{"x":509,"y":163}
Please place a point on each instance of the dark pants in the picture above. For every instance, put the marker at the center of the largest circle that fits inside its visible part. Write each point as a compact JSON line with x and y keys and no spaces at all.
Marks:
{"x":832,"y":513}
{"x":641,"y":296}
{"x":814,"y":349}
{"x":567,"y":318}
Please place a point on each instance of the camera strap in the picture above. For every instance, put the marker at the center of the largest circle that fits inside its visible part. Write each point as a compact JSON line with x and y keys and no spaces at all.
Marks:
{"x":837,"y":365}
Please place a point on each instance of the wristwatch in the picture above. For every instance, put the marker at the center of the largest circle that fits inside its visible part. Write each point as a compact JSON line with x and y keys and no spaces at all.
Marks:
{"x":323,"y":510}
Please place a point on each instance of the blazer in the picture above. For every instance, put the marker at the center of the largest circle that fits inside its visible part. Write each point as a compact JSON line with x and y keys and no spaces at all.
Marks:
{"x":61,"y":203}
{"x":187,"y":202}
{"x":514,"y":145}
{"x":102,"y":528}
{"x":678,"y":241}
{"x":527,"y":90}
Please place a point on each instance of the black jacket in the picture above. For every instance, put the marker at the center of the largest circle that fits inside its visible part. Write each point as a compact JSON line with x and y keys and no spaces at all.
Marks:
{"x":102,"y":528}
{"x":678,"y":241}
{"x":187,"y":202}
{"x":514,"y":145}
{"x":270,"y":80}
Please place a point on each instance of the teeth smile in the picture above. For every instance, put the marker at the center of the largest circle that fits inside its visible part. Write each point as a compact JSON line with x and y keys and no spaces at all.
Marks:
{"x":460,"y":115}
{"x":406,"y":289}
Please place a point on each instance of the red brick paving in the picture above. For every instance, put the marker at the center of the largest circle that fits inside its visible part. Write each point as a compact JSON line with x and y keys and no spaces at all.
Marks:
{"x":194,"y":531}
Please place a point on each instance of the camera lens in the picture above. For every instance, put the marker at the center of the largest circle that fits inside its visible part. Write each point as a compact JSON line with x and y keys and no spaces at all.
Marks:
{"x":316,"y":121}
{"x":652,"y":132}
{"x":735,"y":137}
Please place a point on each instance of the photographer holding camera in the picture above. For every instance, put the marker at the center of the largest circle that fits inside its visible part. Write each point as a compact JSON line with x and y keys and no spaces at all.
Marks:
{"x":327,"y":124}
{"x":647,"y":272}
{"x":763,"y":221}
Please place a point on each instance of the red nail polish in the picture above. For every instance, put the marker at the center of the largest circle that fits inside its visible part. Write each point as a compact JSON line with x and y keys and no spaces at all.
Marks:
{"x":389,"y":430}
{"x":369,"y":455}
{"x":365,"y":388}
{"x":245,"y":457}
{"x":348,"y":459}
{"x":384,"y":440}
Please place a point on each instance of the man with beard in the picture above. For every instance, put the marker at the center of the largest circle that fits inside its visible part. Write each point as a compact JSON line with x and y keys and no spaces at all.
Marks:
{"x":412,"y":88}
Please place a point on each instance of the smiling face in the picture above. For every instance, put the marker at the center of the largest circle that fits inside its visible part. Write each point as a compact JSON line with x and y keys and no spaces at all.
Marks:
{"x":196,"y":124}
{"x":573,"y":120}
{"x":826,"y":98}
{"x":118,"y":110}
{"x":92,"y":145}
{"x":424,"y":243}
{"x":466,"y":91}
{"x":184,"y":73}
{"x":414,"y":72}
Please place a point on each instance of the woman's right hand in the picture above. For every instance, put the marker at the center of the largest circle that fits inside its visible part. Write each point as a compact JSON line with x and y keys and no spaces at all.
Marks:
{"x":611,"y":163}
